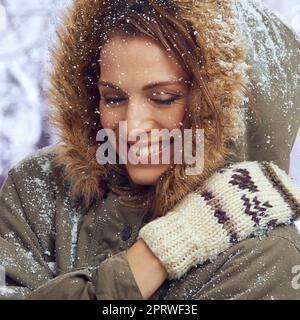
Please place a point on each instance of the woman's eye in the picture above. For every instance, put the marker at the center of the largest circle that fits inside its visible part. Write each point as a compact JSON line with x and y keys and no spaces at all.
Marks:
{"x":165,"y":102}
{"x":110,"y":101}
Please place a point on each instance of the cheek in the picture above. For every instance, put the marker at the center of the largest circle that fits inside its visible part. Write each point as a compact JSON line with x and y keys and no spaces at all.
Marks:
{"x":174,"y":117}
{"x":109,"y":118}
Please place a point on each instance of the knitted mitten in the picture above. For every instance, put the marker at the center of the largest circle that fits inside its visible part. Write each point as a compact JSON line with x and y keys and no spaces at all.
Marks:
{"x":239,"y":200}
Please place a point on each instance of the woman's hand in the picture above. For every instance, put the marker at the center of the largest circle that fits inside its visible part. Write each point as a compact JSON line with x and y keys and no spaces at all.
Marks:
{"x":148,"y":271}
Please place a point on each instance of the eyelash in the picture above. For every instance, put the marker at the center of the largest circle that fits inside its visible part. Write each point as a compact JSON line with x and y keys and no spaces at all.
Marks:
{"x":163,"y":102}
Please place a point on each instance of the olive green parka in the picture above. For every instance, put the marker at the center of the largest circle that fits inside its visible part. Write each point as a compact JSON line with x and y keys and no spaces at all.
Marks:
{"x":53,"y":247}
{"x":39,"y":226}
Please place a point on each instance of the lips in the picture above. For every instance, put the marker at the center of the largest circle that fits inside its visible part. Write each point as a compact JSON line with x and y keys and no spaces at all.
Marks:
{"x":144,"y":151}
{"x":147,"y":153}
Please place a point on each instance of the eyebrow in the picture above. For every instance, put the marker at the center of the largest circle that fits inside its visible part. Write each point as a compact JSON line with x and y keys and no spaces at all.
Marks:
{"x":146,"y":87}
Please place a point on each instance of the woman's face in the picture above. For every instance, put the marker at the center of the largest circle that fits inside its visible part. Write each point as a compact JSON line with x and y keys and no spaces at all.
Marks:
{"x":133,"y":88}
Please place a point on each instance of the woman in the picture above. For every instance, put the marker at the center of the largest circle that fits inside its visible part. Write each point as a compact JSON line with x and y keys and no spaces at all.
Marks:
{"x":74,"y":229}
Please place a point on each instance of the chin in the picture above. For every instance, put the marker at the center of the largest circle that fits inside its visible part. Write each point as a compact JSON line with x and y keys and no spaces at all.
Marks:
{"x":145,"y":174}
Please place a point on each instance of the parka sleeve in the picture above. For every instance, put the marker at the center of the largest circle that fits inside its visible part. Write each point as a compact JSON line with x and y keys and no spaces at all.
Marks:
{"x":28,"y":276}
{"x":111,"y":280}
{"x":257,"y":269}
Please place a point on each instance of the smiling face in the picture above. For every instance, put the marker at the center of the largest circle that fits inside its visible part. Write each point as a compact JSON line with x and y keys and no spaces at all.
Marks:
{"x":143,"y":84}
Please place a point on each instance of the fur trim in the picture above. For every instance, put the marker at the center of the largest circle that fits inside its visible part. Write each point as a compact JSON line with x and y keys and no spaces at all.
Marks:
{"x":225,"y":55}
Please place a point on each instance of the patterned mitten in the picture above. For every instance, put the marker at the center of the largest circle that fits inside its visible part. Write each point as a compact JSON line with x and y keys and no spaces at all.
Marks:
{"x":240,"y":200}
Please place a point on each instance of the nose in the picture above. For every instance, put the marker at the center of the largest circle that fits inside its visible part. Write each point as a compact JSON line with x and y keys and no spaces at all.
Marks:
{"x":140,"y":118}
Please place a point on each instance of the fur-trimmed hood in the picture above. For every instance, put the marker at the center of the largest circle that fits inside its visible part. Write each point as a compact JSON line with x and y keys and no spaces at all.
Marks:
{"x":75,"y":115}
{"x":74,"y":98}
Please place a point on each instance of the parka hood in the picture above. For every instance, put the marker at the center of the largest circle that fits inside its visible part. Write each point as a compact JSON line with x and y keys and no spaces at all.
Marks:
{"x":74,"y":96}
{"x":76,"y":114}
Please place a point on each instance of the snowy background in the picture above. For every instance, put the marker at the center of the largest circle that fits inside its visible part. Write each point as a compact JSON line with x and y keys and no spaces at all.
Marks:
{"x":26,"y":32}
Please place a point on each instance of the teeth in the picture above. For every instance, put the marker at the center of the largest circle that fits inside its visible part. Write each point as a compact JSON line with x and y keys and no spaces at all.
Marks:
{"x":145,"y":150}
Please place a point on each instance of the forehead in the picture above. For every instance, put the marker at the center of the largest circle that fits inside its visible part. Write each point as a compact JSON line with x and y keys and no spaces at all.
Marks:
{"x":139,"y":59}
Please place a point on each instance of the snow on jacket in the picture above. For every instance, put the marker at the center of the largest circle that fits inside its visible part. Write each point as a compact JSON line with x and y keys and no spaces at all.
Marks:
{"x":53,"y":246}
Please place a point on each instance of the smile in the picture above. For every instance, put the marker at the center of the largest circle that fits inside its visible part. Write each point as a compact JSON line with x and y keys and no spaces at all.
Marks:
{"x":150,"y":153}
{"x":143,"y":151}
